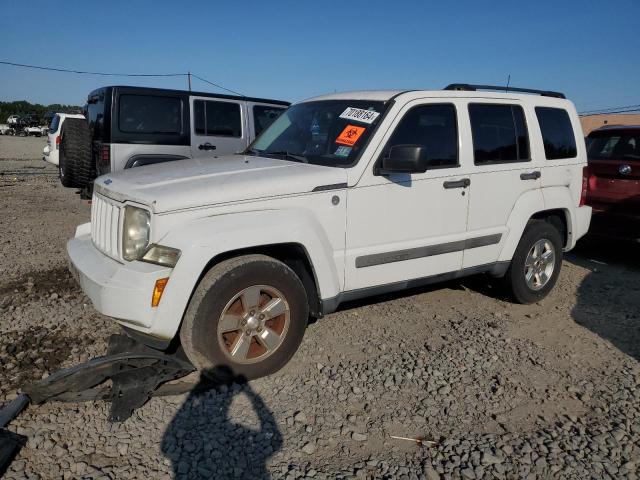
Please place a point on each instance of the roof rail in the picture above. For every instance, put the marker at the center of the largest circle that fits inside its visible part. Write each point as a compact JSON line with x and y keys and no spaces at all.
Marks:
{"x":468,"y":87}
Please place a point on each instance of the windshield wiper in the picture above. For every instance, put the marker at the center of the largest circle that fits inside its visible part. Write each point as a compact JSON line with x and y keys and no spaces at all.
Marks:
{"x":287,"y":156}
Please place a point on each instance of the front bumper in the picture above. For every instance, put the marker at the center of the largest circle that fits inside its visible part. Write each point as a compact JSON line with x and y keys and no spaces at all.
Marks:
{"x":121,"y":291}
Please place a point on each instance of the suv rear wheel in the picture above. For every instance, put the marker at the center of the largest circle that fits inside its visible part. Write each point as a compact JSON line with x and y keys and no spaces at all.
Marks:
{"x":246,"y":318}
{"x":536,"y":263}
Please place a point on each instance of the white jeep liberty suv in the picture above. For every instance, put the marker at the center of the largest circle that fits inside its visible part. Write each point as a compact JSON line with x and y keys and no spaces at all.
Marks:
{"x":344,"y":196}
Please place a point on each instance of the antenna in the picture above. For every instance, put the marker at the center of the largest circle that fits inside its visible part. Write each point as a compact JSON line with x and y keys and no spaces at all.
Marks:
{"x":506,"y":90}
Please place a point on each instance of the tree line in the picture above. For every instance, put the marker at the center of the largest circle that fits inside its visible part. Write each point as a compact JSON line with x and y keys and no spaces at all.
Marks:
{"x":23,"y":107}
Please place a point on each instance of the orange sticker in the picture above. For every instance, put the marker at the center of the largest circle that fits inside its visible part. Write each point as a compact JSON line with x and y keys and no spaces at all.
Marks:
{"x":350,"y":135}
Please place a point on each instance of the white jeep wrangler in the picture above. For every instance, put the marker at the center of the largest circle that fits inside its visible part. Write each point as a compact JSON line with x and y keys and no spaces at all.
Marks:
{"x":344,"y":196}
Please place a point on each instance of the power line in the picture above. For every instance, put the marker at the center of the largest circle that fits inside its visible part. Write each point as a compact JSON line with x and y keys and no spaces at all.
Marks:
{"x":111,"y":74}
{"x":216,"y":85}
{"x":611,"y":110}
{"x":104,"y":74}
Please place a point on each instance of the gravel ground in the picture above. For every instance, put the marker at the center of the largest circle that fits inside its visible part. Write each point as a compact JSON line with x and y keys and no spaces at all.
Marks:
{"x":550,"y":390}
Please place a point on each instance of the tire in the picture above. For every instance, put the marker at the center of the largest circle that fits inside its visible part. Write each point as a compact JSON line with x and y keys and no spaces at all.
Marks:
{"x":548,"y":239}
{"x":76,"y":168}
{"x":219,"y":291}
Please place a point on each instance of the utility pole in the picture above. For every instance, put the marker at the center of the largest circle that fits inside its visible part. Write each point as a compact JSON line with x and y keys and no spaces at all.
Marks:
{"x":189,"y":79}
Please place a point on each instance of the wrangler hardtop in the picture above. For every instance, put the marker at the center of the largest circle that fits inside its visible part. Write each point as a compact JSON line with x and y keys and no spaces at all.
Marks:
{"x":344,"y":196}
{"x":129,"y":127}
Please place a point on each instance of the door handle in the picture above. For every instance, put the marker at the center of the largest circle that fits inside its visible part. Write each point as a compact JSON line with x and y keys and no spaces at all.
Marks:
{"x":530,"y":176}
{"x":206,"y":146}
{"x":464,"y":183}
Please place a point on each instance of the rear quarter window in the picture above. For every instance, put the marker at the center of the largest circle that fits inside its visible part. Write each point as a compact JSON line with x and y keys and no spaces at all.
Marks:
{"x":55,"y":123}
{"x":557,"y":133}
{"x":149,"y":114}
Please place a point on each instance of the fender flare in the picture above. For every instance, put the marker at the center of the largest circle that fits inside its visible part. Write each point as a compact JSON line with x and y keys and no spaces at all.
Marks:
{"x":204,"y":239}
{"x":527,"y":205}
{"x":559,"y":198}
{"x":535,"y":202}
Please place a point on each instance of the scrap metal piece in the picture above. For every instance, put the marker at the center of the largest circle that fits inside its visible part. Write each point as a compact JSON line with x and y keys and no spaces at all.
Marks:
{"x":10,"y":445}
{"x":134,"y":375}
{"x":13,"y":409}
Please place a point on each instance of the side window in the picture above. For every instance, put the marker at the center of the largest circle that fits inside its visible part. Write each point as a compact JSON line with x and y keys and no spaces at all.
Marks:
{"x":263,"y":116}
{"x":499,"y":133}
{"x":149,"y":114}
{"x":220,"y":119}
{"x":557,"y":133}
{"x":433,"y":126}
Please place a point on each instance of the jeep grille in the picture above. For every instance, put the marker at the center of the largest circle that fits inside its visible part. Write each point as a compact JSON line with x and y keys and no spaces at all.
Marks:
{"x":105,"y":225}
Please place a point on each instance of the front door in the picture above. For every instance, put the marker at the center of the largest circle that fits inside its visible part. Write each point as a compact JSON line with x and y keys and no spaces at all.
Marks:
{"x":410,"y":226}
{"x":218,"y":127}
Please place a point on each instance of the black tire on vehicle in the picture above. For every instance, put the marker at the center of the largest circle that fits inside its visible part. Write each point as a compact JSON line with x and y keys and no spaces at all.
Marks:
{"x":76,"y":166}
{"x":531,"y":276}
{"x":237,"y":293}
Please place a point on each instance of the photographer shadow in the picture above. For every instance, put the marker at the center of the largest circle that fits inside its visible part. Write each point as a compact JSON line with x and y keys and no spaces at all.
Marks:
{"x":203,"y":439}
{"x":607,"y":300}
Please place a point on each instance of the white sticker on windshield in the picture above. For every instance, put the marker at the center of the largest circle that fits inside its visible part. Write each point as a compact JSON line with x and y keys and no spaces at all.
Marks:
{"x":360,"y":115}
{"x":342,"y":151}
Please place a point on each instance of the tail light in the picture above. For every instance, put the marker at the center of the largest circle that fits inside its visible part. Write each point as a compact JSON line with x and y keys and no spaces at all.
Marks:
{"x":105,"y":158}
{"x":585,"y":186}
{"x":57,"y":142}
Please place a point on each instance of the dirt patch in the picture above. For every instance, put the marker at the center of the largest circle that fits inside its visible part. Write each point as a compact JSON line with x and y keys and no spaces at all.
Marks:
{"x":35,"y":286}
{"x":28,"y":355}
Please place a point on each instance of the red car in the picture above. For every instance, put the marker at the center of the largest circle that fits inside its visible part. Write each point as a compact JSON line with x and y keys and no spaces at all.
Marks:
{"x":613,"y":181}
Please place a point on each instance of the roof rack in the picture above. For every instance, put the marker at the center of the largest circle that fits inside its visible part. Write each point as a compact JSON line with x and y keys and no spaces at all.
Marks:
{"x":467,"y":87}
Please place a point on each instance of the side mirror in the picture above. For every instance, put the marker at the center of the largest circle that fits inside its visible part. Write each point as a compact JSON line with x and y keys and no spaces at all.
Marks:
{"x":405,"y":159}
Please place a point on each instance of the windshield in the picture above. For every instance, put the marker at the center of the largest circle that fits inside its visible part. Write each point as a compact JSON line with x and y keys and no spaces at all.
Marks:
{"x":614,"y":145}
{"x":326,"y":132}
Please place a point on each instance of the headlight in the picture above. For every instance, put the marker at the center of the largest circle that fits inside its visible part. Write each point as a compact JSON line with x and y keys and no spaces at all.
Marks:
{"x":135,"y":237}
{"x":161,"y":255}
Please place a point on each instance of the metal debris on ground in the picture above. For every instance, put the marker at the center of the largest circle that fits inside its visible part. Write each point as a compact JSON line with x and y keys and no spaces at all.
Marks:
{"x":127,"y":376}
{"x":418,"y":440}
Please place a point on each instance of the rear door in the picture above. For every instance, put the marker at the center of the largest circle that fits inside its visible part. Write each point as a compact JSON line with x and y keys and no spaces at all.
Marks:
{"x":218,"y":127}
{"x":614,"y":170}
{"x":505,"y":169}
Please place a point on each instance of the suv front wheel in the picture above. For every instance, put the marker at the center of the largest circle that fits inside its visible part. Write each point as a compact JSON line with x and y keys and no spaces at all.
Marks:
{"x":536,"y":263}
{"x":246,"y":318}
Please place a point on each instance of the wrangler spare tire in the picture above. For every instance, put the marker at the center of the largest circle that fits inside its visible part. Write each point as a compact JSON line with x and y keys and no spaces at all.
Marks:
{"x":75,"y":167}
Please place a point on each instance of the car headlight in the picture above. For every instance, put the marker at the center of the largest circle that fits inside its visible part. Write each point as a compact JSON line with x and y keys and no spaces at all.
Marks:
{"x":135,"y":236}
{"x":161,"y":255}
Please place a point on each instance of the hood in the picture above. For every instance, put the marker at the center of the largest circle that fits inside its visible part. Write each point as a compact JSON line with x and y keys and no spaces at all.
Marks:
{"x":200,"y":182}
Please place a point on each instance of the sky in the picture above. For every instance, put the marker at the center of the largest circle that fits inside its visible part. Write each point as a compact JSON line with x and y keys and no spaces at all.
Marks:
{"x":292,"y":50}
